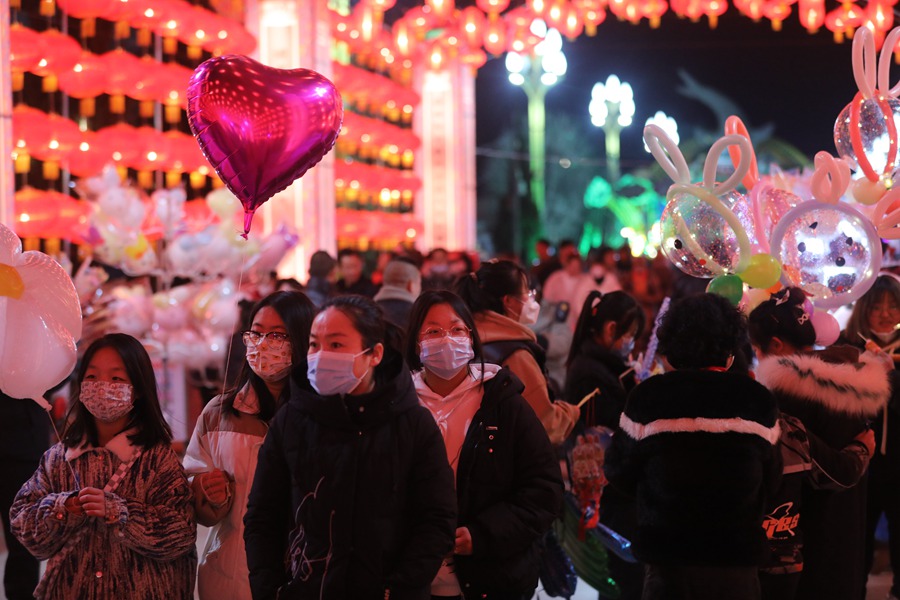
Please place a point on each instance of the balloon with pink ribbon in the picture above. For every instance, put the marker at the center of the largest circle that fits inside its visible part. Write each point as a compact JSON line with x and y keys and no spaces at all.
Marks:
{"x":261,"y":127}
{"x":865,"y":133}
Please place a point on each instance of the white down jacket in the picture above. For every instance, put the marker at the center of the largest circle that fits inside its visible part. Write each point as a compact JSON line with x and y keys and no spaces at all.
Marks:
{"x":229,"y":442}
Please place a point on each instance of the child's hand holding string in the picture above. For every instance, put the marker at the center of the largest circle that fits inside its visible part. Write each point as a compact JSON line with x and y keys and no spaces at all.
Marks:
{"x":93,"y":501}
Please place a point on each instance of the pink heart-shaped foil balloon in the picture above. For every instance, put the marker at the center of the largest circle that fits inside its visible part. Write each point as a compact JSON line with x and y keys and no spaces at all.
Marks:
{"x":260,"y":127}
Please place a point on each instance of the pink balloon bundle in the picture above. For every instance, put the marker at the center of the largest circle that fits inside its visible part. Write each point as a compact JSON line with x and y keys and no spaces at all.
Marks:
{"x":260,"y":127}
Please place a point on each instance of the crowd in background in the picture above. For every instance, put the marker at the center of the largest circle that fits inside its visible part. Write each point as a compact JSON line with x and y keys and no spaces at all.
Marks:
{"x":360,"y":404}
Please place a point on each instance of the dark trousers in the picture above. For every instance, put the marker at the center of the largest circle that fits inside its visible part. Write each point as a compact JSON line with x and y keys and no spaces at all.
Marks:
{"x":22,"y":570}
{"x":883,"y":496}
{"x":779,"y":587}
{"x":680,"y":582}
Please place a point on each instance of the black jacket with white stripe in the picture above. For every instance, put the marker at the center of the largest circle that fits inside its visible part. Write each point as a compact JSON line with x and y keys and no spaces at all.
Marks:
{"x":696,"y":448}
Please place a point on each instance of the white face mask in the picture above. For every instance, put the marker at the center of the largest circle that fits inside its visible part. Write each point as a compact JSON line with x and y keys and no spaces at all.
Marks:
{"x":108,"y":401}
{"x":885,"y":336}
{"x":271,"y":365}
{"x":624,"y":351}
{"x":332,"y":372}
{"x":446,"y":356}
{"x":530,"y":311}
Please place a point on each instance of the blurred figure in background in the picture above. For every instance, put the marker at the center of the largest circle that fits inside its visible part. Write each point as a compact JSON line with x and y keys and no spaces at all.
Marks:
{"x":547,"y":263}
{"x":402,"y":285}
{"x":353,"y":280}
{"x":322,"y":275}
{"x":24,"y":436}
{"x":436,"y":273}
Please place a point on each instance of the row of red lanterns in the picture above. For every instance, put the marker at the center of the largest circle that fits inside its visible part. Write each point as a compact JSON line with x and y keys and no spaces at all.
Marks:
{"x":84,"y":75}
{"x":360,"y":129}
{"x":466,"y":34}
{"x":373,"y":179}
{"x":57,"y":141}
{"x":377,"y":89}
{"x":173,"y":20}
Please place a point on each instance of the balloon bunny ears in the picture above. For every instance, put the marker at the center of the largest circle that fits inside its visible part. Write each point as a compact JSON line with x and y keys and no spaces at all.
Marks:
{"x":670,"y":158}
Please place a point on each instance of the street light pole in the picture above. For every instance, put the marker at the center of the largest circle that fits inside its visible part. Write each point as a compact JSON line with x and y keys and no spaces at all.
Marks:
{"x":612,"y":109}
{"x":535,"y":74}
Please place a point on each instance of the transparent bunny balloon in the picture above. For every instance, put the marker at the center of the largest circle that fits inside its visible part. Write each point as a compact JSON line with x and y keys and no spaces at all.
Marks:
{"x":826,"y":247}
{"x":704,"y":226}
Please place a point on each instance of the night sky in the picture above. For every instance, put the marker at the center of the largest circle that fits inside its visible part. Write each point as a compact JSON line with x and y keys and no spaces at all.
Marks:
{"x":796,"y":81}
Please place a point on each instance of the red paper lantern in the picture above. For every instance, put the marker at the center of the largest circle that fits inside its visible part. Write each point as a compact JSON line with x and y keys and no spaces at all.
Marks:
{"x":153,"y":150}
{"x":121,"y":67}
{"x":88,"y":11}
{"x":64,"y":137}
{"x":120,"y":141}
{"x":86,"y":80}
{"x":147,"y":84}
{"x":31,"y":128}
{"x":59,"y":53}
{"x":25,"y":46}
{"x":495,"y":37}
{"x":492,"y":7}
{"x":811,"y":14}
{"x":88,"y":158}
{"x":472,"y":25}
{"x":184,"y":155}
{"x":443,"y":9}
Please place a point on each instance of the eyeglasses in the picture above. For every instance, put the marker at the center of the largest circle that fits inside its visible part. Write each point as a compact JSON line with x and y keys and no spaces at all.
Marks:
{"x":276,"y":339}
{"x":890,"y":309}
{"x":438,"y":332}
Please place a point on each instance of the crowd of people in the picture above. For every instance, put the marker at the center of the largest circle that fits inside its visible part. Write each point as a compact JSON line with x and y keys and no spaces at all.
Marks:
{"x":402,"y":432}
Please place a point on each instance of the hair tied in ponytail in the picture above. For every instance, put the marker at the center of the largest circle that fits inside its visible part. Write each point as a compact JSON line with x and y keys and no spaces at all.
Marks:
{"x":784,"y":297}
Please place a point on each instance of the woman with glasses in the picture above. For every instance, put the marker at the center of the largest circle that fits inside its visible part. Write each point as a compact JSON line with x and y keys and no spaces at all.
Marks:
{"x":876,"y":317}
{"x":508,"y":483}
{"x":353,"y":496}
{"x":504,"y":306}
{"x":222,"y":452}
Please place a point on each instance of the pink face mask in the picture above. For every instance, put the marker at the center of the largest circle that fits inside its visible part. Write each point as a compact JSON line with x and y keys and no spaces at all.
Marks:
{"x":108,"y":401}
{"x":271,"y":365}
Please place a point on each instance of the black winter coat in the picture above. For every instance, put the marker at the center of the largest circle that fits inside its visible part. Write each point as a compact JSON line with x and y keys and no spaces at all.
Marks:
{"x":509,"y":490}
{"x":696,"y":448}
{"x":833,"y":400}
{"x":596,"y":367}
{"x":352,"y":498}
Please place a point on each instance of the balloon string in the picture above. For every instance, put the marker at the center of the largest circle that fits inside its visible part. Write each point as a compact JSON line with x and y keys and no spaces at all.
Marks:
{"x":237,"y":318}
{"x":49,"y":410}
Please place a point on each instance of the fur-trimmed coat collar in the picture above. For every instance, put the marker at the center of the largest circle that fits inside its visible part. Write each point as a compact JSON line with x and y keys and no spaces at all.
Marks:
{"x":856,"y":389}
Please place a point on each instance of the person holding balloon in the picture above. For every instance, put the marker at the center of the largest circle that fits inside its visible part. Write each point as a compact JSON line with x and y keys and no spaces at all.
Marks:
{"x":109,"y":507}
{"x":876,"y":320}
{"x":221,"y":455}
{"x":834,"y":393}
{"x":353,"y":496}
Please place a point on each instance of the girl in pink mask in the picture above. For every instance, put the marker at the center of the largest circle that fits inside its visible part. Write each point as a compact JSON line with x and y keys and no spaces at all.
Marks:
{"x":504,"y":306}
{"x":109,"y":508}
{"x":508,"y":482}
{"x":221,"y":456}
